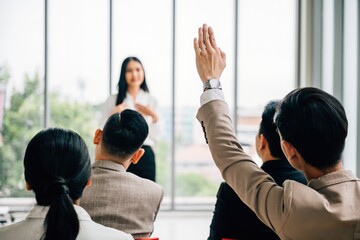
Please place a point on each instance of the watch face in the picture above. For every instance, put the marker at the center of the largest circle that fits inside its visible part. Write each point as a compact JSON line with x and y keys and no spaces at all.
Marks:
{"x":214,"y":83}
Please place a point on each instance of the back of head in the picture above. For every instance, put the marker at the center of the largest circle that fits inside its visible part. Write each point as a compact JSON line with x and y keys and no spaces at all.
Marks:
{"x":57,"y":167}
{"x":268,"y":129}
{"x":124,"y":133}
{"x":315,"y":123}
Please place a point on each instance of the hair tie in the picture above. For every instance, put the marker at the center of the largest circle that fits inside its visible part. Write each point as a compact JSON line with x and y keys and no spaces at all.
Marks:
{"x":58,"y":187}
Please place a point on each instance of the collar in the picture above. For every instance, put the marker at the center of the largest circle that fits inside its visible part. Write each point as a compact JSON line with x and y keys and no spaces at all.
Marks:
{"x":39,"y":212}
{"x":109,"y":165}
{"x":276,"y":163}
{"x":333,"y":178}
{"x":140,"y":93}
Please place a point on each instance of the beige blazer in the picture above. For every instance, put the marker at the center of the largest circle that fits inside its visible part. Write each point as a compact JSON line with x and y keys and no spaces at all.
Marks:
{"x":328,"y":208}
{"x":32,"y":228}
{"x":122,"y":200}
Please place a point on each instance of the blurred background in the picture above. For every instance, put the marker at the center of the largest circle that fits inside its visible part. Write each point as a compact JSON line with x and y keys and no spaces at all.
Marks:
{"x":60,"y":60}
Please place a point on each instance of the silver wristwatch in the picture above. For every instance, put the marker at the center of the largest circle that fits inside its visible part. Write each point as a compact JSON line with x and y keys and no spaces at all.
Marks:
{"x":212,"y":84}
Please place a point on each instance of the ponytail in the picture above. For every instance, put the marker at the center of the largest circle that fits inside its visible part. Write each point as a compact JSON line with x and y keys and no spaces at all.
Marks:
{"x":57,"y":167}
{"x":61,"y":221}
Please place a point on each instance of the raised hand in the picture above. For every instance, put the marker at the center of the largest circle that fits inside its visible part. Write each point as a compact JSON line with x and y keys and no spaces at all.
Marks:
{"x":210,"y":60}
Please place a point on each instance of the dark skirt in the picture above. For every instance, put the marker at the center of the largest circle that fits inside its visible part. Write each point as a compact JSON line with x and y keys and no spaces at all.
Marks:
{"x":145,"y":167}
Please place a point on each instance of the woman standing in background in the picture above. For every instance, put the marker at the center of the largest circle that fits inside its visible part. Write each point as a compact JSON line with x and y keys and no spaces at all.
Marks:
{"x":133,"y":93}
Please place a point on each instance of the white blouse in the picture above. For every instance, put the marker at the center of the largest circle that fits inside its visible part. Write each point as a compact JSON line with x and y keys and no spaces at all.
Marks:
{"x":32,"y":227}
{"x":143,"y":98}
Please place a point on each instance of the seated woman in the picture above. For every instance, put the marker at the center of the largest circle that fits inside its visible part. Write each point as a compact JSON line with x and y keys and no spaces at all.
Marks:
{"x":57,"y":168}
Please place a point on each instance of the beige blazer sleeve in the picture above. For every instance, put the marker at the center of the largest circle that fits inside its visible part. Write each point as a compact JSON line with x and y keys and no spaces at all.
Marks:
{"x":257,"y":189}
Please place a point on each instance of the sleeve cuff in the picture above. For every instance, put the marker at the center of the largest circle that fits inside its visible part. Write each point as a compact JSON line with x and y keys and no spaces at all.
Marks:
{"x":211,"y":94}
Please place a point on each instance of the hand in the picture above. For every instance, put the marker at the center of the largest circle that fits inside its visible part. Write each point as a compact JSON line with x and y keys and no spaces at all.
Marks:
{"x":119,"y":108}
{"x":146,"y":111}
{"x":210,"y":60}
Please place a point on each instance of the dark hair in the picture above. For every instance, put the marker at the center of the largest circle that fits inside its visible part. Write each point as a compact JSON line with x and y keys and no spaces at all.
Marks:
{"x":57,"y":167}
{"x":124,"y":133}
{"x":268,"y":129}
{"x":315,"y":123}
{"x":122,"y":84}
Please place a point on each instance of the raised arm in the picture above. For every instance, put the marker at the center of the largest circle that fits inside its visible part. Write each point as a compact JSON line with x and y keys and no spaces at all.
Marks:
{"x":255,"y":187}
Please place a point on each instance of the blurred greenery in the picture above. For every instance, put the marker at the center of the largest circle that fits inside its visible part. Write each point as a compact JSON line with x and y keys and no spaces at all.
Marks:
{"x":187,"y":183}
{"x":23,"y":118}
{"x":193,"y":184}
{"x":162,"y":166}
{"x":4,"y":74}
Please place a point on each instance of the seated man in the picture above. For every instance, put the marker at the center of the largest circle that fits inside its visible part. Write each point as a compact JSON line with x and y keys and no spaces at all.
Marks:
{"x":312,"y":126}
{"x":232,"y":218}
{"x":117,"y":198}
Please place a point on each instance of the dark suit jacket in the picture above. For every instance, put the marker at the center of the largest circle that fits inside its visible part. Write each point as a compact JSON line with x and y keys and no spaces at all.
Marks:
{"x":327,"y":208}
{"x":233,"y":219}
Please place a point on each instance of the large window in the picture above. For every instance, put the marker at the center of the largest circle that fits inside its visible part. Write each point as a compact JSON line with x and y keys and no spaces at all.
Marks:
{"x":266,"y":61}
{"x":78,"y":64}
{"x":87,"y":42}
{"x":21,"y":83}
{"x":196,"y":176}
{"x":147,"y":35}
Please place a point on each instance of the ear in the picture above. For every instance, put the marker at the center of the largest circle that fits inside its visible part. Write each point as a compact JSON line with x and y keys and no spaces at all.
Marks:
{"x":137,"y":155}
{"x":97,"y":136}
{"x":27,"y":186}
{"x":288,"y":149}
{"x":293,"y":156}
{"x":88,"y":183}
{"x":262,"y":142}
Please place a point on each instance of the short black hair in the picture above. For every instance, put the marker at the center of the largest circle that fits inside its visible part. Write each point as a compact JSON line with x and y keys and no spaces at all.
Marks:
{"x":315,"y":123}
{"x":124,"y":133}
{"x":268,"y":129}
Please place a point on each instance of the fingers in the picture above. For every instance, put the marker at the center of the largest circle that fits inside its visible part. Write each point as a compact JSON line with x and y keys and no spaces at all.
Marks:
{"x":196,"y":46}
{"x":201,"y":40}
{"x":140,"y":107}
{"x":206,"y":41}
{"x":212,"y":38}
{"x":207,"y":38}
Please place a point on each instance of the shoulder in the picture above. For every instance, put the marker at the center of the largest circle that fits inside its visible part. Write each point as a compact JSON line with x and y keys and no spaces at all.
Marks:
{"x":296,"y":193}
{"x":93,"y":230}
{"x":145,"y":185}
{"x":18,"y":230}
{"x":107,"y":173}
